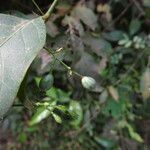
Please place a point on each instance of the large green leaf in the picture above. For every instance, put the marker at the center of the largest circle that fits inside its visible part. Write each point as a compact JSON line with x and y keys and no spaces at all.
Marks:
{"x":41,"y":113}
{"x":20,"y":42}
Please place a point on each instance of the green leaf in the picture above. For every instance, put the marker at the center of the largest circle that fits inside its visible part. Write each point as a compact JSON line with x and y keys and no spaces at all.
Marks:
{"x":22,"y":138}
{"x":76,"y":108}
{"x":58,"y":94}
{"x":114,"y":36}
{"x":46,"y":82}
{"x":117,"y":109}
{"x":114,"y":107}
{"x":57,"y":118}
{"x":32,"y":129}
{"x":107,"y":143}
{"x":37,"y":80}
{"x":20,"y":42}
{"x":41,"y":113}
{"x":98,"y":45}
{"x":61,"y":108}
{"x":133,"y":134}
{"x":134,"y":27}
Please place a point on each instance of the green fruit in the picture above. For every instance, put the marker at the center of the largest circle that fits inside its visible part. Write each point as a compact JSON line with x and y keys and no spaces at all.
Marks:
{"x":46,"y":82}
{"x":88,"y":82}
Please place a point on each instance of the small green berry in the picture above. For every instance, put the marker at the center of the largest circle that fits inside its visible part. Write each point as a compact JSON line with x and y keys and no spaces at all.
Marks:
{"x":88,"y":82}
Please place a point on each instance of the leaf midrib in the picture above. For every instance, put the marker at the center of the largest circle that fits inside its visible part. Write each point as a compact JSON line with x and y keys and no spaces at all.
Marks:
{"x":25,"y":24}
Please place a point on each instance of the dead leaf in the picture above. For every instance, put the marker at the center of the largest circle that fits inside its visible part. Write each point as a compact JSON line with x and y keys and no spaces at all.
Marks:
{"x":87,"y":66}
{"x":145,"y":84}
{"x":103,"y":64}
{"x":74,"y":24}
{"x":103,"y":97}
{"x":63,"y":8}
{"x":98,"y":45}
{"x":52,"y":29}
{"x":86,"y":15}
{"x":105,"y":8}
{"x":114,"y":93}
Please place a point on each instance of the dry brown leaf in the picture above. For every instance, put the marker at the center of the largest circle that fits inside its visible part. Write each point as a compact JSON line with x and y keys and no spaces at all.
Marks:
{"x":86,"y":15}
{"x":114,"y":93}
{"x":105,"y":9}
{"x":52,"y":29}
{"x":145,"y":84}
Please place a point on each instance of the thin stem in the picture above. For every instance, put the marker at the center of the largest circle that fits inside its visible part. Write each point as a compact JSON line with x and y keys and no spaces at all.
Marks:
{"x":119,"y":16}
{"x":48,"y":13}
{"x":18,"y":105}
{"x":130,"y":69}
{"x":36,"y":5}
{"x":63,"y":64}
{"x":137,"y":4}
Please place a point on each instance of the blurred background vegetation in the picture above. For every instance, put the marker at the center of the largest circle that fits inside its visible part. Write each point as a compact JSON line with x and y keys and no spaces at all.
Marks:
{"x":108,"y":40}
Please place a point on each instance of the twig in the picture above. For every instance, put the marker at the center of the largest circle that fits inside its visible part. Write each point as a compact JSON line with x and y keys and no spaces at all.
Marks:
{"x":130,"y":69}
{"x":18,"y":105}
{"x":139,"y":7}
{"x":36,"y":5}
{"x":120,"y":16}
{"x":62,"y":63}
{"x":19,"y":3}
{"x":91,"y":119}
{"x":48,"y":13}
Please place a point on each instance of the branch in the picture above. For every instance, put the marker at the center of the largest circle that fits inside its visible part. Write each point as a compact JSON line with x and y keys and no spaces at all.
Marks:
{"x":36,"y":5}
{"x":18,"y":105}
{"x":137,"y":4}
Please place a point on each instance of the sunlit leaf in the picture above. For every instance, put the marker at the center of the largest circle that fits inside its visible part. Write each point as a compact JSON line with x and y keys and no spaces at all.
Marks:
{"x":41,"y":113}
{"x":76,"y":108}
{"x":57,"y":118}
{"x":134,"y":134}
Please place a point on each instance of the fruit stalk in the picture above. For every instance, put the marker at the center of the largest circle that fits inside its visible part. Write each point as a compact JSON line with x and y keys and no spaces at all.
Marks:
{"x":48,"y":13}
